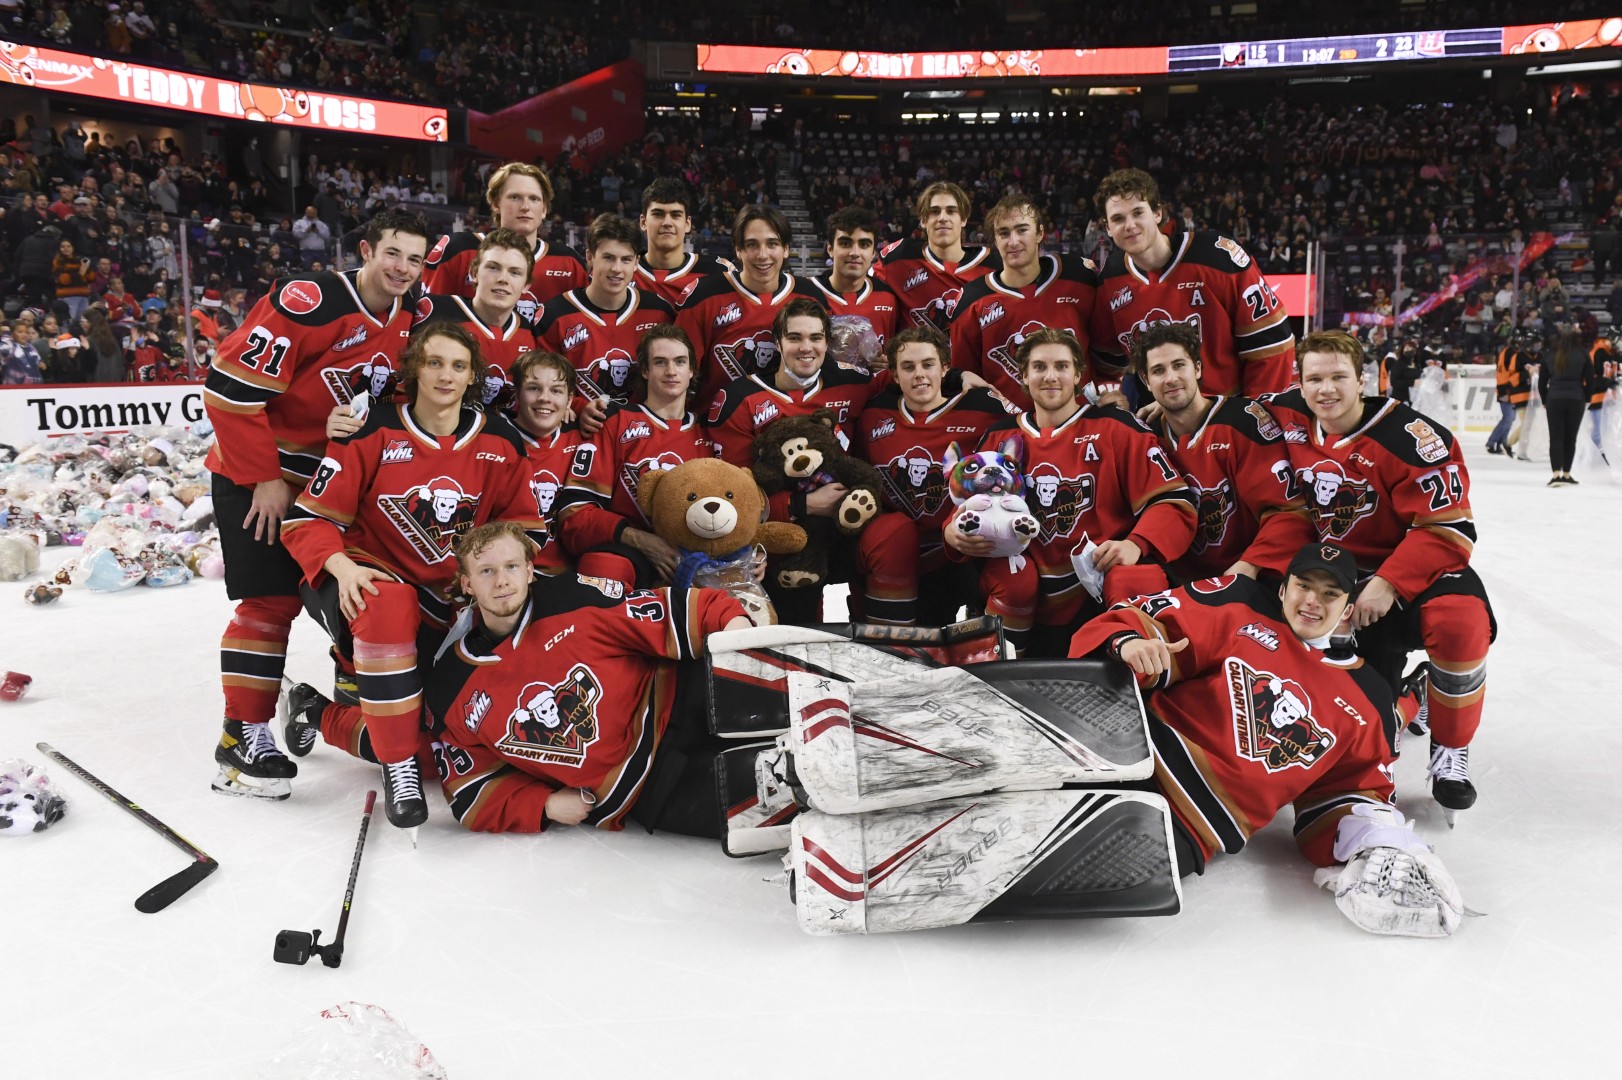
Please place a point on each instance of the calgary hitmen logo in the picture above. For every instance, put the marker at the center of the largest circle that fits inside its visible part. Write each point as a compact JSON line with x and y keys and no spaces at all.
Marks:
{"x":747,"y":356}
{"x":1272,"y":719}
{"x":1058,"y":501}
{"x":555,"y":723}
{"x":1215,"y":512}
{"x":608,"y":375}
{"x":430,"y":517}
{"x":1003,"y":355}
{"x":937,"y":312}
{"x":1337,"y":501}
{"x":916,"y":482}
{"x":374,"y":376}
{"x":632,"y":471}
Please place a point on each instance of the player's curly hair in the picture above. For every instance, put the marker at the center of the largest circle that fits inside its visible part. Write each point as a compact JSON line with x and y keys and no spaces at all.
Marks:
{"x":411,"y":363}
{"x":918,"y":335}
{"x":394,"y":219}
{"x":1127,"y":184}
{"x":1157,"y":334}
{"x":471,"y":544}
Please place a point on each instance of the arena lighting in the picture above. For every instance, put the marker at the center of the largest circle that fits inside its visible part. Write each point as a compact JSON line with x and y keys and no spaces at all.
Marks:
{"x":203,"y":95}
{"x":1529,"y":40}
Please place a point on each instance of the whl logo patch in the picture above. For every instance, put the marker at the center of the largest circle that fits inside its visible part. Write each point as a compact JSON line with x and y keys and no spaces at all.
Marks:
{"x":397,"y":451}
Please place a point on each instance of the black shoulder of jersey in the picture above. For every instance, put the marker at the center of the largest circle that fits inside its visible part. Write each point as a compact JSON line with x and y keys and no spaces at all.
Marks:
{"x":1235,"y":589}
{"x":1290,"y":400}
{"x":981,"y":400}
{"x":451,"y":245}
{"x":564,"y":251}
{"x":324,"y":298}
{"x":908,"y":247}
{"x":498,"y":425}
{"x":888,"y":398}
{"x":711,"y":285}
{"x":1078,"y":268}
{"x":1378,"y":691}
{"x":1120,"y":416}
{"x":805,"y":286}
{"x":1239,"y":413}
{"x":1219,"y":252}
{"x":730,"y":397}
{"x":383,"y":415}
{"x":1114,"y":265}
{"x":1007,"y":423}
{"x":564,"y":593}
{"x":710,"y":264}
{"x":648,"y":300}
{"x":992,"y":261}
{"x":879,"y":286}
{"x":1403,"y":431}
{"x":834,"y":374}
{"x":973,"y":291}
{"x":553,"y":310}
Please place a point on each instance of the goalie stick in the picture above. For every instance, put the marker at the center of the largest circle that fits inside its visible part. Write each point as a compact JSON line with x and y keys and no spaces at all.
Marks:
{"x":169,"y":889}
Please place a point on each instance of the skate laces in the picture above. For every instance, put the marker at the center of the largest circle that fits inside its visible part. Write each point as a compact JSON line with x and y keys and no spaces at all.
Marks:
{"x":1449,"y":763}
{"x":260,"y":743}
{"x":405,"y":778}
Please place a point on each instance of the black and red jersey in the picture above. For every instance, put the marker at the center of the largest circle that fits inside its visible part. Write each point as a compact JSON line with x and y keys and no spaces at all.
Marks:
{"x":1603,"y":357}
{"x":303,"y":349}
{"x":1248,"y":502}
{"x":907,"y":448}
{"x":1394,"y":492}
{"x":549,"y":462}
{"x":1100,"y":475}
{"x":746,"y":406}
{"x":873,"y":301}
{"x":1250,"y":719}
{"x":500,"y":345}
{"x":395,"y":497}
{"x":601,"y":344}
{"x":929,"y":288}
{"x":673,"y":286}
{"x":731,"y":327}
{"x":517,"y":718}
{"x":598,"y":500}
{"x":450,"y":269}
{"x":1211,"y":283}
{"x":994,"y":318}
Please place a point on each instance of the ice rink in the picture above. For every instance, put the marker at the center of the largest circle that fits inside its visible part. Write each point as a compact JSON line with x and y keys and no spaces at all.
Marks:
{"x":577,"y":953}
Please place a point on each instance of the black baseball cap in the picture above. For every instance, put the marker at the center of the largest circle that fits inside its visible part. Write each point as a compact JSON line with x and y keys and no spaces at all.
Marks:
{"x":1332,"y":559}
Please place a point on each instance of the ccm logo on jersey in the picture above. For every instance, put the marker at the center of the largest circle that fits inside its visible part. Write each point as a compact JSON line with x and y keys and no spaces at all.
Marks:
{"x":485,"y":455}
{"x":560,"y":273}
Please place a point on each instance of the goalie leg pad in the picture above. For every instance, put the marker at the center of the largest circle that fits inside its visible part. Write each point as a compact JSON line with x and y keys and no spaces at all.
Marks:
{"x":755,"y":814}
{"x":1009,"y":855}
{"x":950,"y":732}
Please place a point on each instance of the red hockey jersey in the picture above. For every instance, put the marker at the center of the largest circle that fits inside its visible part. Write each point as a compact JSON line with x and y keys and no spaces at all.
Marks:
{"x":302,"y":350}
{"x":1250,"y":719}
{"x":873,"y":301}
{"x":600,"y":344}
{"x":1395,"y":492}
{"x":741,"y":410}
{"x":450,"y":270}
{"x":1248,"y":503}
{"x":549,"y":462}
{"x":1211,"y":283}
{"x":907,"y":449}
{"x":673,"y":286}
{"x":498,"y":345}
{"x":731,"y":328}
{"x":517,"y":718}
{"x":598,"y":500}
{"x":929,"y":289}
{"x":395,"y":497}
{"x":1100,"y":475}
{"x":993,"y":319}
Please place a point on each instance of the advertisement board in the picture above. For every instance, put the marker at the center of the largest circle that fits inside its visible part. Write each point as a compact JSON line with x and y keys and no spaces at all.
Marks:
{"x":30,"y":414}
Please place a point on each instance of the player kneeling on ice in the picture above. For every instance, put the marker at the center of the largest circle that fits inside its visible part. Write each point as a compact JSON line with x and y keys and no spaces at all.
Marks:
{"x":571,"y":700}
{"x":1251,"y":709}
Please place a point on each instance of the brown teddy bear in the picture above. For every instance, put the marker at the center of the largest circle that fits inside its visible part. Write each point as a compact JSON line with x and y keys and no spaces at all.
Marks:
{"x":714,"y":513}
{"x":802,"y":453}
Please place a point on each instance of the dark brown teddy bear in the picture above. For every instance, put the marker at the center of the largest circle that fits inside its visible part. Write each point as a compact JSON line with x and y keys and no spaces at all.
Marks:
{"x":801,"y":454}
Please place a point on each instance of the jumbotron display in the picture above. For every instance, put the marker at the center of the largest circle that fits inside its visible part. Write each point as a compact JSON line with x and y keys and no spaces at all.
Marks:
{"x":1534,"y":39}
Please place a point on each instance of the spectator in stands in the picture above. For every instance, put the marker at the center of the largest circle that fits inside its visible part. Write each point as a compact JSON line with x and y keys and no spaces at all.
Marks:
{"x":19,"y":359}
{"x":71,"y":277}
{"x":313,"y":235}
{"x":107,"y":358}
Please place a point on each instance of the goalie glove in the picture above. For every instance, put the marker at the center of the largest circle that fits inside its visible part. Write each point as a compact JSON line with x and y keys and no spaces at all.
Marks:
{"x":1391,"y":882}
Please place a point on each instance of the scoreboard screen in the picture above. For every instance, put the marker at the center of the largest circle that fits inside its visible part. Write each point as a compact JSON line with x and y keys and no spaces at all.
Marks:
{"x":1329,"y":51}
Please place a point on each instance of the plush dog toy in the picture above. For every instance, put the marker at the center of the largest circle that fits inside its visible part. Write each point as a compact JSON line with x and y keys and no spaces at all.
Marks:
{"x":989,"y":490}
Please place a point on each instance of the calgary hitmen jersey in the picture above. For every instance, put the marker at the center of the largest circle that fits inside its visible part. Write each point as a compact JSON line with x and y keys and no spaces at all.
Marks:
{"x":395,"y":497}
{"x":498,"y":345}
{"x":873,"y":301}
{"x":598,"y":500}
{"x":1246,"y":345}
{"x":672,"y":286}
{"x":744,"y":408}
{"x":549,"y":461}
{"x":731,"y":327}
{"x":298,"y":353}
{"x":993,"y":319}
{"x":1394,"y":492}
{"x":601,"y":344}
{"x":1100,"y":475}
{"x":929,"y":289}
{"x":517,"y":718}
{"x":450,"y":270}
{"x":907,"y":449}
{"x":1247,"y":501}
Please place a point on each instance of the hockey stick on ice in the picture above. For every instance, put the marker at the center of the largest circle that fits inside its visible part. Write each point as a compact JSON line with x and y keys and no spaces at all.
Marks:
{"x":169,"y":889}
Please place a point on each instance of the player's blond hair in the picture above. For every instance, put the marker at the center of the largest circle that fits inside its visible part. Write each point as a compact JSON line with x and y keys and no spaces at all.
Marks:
{"x":1013,"y":204}
{"x":1051,"y":335}
{"x":943,"y":187}
{"x":473,"y":543}
{"x":1330,"y":341}
{"x":499,"y":178}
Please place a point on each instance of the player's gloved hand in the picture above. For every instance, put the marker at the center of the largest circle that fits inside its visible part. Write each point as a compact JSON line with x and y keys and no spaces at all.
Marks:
{"x":1392,"y":882}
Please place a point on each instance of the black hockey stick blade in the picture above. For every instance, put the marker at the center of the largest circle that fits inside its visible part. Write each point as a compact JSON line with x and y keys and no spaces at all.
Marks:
{"x":173,"y":888}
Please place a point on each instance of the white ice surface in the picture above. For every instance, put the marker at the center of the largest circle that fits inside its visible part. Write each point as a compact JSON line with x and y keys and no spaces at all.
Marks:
{"x":579,"y":953}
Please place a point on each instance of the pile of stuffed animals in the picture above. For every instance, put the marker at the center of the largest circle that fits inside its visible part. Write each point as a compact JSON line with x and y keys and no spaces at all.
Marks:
{"x":137,"y":506}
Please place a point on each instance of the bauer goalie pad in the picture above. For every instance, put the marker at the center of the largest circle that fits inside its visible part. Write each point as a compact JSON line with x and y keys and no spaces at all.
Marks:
{"x":756,"y":806}
{"x":747,"y":669}
{"x":1011,"y":855}
{"x":915,"y":738}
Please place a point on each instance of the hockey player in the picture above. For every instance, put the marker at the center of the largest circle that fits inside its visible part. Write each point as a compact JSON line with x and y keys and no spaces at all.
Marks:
{"x":597,"y":327}
{"x":295,"y":357}
{"x":729,"y":317}
{"x":667,"y":269}
{"x":501,"y":270}
{"x":847,"y":289}
{"x":614,"y":727}
{"x":520,"y":197}
{"x":1094,"y":475}
{"x":1253,"y":710}
{"x":1196,"y":277}
{"x":904,"y":432}
{"x":800,"y":383}
{"x":601,"y":523}
{"x":1252,"y":518}
{"x":928,"y":276}
{"x":373,"y":533}
{"x":544,"y":384}
{"x":1031,"y":291}
{"x":1392,"y":488}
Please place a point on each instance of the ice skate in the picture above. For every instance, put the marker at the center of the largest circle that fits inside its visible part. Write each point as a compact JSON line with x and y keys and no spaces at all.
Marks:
{"x":402,"y":794}
{"x":1449,"y":774}
{"x":757,"y":797}
{"x":251,"y":764}
{"x":299,"y":709}
{"x":1418,"y":684}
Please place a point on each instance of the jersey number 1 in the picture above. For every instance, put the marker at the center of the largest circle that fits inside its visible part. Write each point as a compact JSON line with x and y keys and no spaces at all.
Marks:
{"x":265,"y":353}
